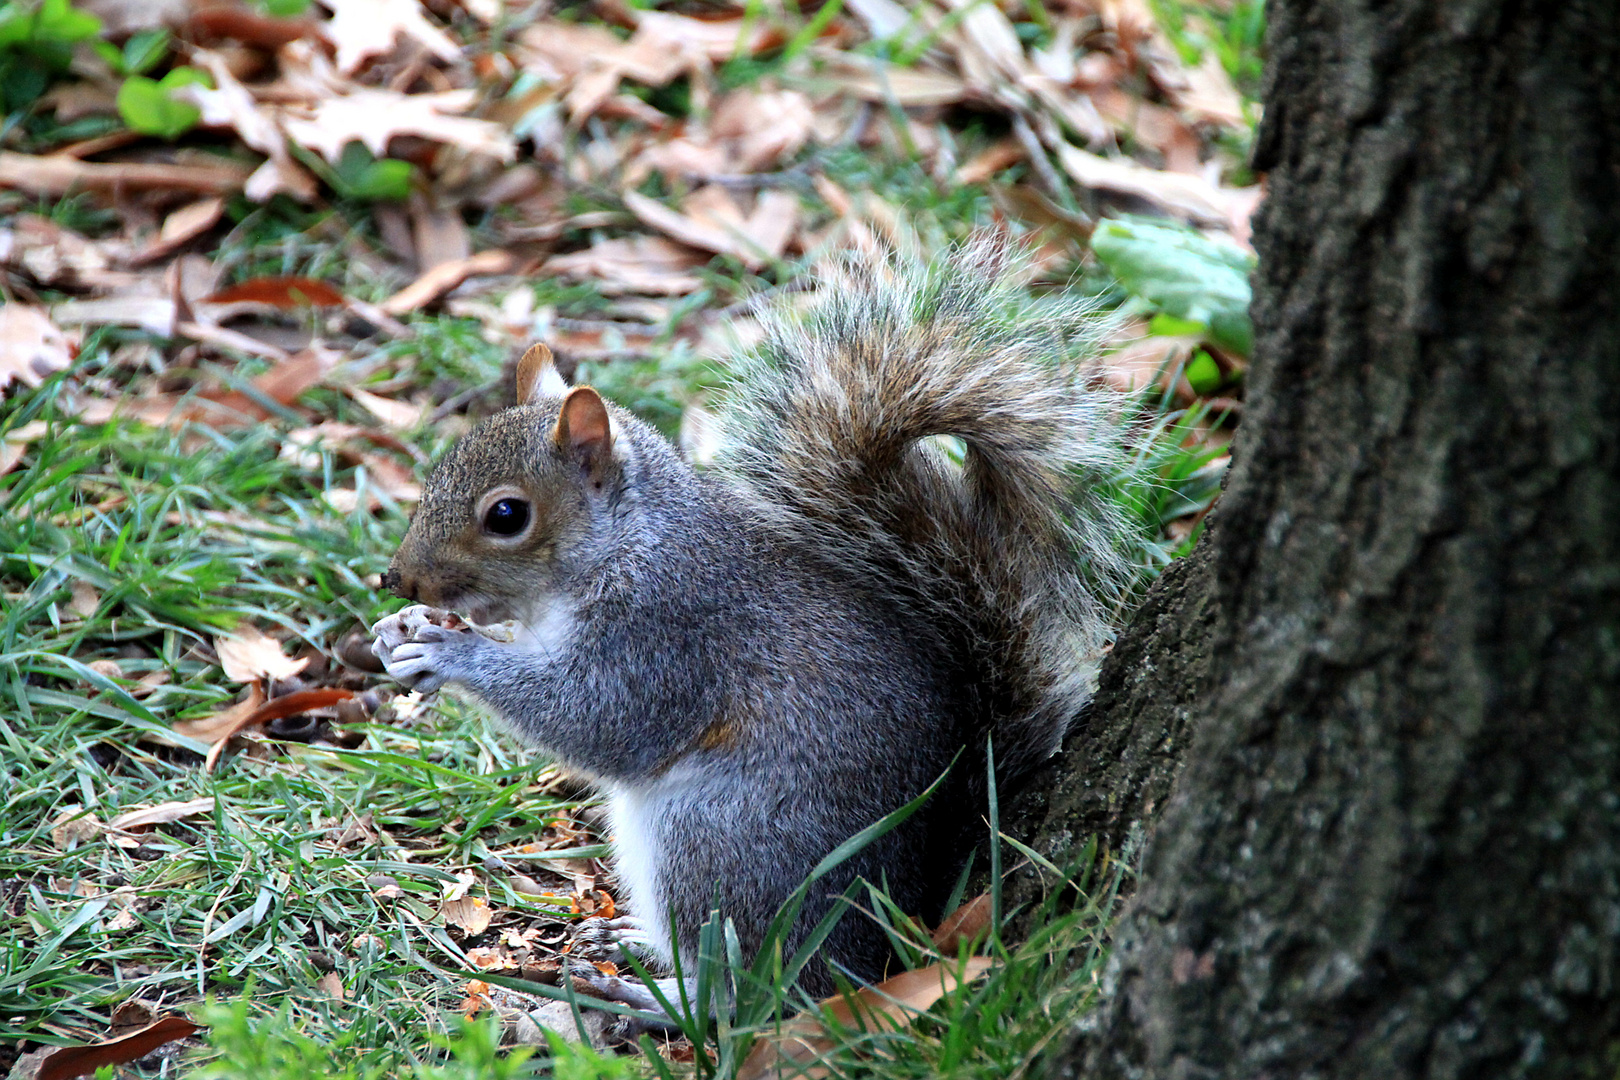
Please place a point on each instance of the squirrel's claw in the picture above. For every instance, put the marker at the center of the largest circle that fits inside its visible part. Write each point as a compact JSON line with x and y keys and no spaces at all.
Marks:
{"x":415,"y":649}
{"x":606,"y":936}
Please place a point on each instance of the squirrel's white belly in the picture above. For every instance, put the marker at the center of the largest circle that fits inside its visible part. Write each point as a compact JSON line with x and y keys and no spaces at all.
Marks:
{"x":638,"y":852}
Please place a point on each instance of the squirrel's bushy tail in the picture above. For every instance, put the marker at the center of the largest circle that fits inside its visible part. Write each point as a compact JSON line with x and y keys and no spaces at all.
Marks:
{"x":932,"y":430}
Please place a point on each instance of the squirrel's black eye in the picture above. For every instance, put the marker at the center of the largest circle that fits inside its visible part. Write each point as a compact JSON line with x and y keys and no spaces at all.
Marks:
{"x":507,"y":517}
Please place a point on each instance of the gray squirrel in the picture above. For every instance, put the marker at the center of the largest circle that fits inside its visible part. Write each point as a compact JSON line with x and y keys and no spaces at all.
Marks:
{"x":903,"y":546}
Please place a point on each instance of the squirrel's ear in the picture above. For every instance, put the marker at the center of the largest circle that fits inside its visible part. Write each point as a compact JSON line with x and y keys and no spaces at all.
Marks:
{"x":537,"y":377}
{"x":584,"y":430}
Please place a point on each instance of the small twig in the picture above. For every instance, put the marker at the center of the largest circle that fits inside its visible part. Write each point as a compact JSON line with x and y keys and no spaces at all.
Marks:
{"x":456,"y":401}
{"x":1038,"y":161}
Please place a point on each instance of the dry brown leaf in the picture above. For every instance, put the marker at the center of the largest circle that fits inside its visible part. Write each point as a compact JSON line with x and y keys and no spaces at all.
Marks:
{"x":31,"y":346}
{"x":154,"y":314}
{"x":679,"y":158}
{"x":637,"y":264}
{"x":711,"y":220}
{"x":71,"y":1061}
{"x":762,"y":129}
{"x":145,"y":817}
{"x":107,"y":668}
{"x":469,"y":913}
{"x":361,"y":29}
{"x":181,"y":227}
{"x":217,"y":727}
{"x":399,"y":415}
{"x":880,"y":83}
{"x":438,"y":235}
{"x":220,"y":727}
{"x":1210,"y":96}
{"x":1000,"y":155}
{"x":372,"y":117}
{"x":564,"y":51}
{"x":1176,"y":193}
{"x":1154,"y":126}
{"x":15,"y":443}
{"x":57,"y":176}
{"x":75,"y":100}
{"x":966,"y":924}
{"x":229,"y":104}
{"x":331,"y":984}
{"x":441,"y":279}
{"x":793,"y":1049}
{"x":249,"y":655}
{"x":52,"y":255}
{"x":715,"y":40}
{"x":238,"y":22}
{"x":1149,"y":361}
{"x":73,"y":826}
{"x":84,"y":601}
{"x":280,"y":292}
{"x":709,"y":234}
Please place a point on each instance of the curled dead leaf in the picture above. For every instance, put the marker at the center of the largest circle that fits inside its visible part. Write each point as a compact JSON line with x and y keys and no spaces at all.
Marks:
{"x":71,"y":1061}
{"x":441,"y":279}
{"x":145,"y":817}
{"x":249,"y":655}
{"x":966,"y":924}
{"x":793,"y":1049}
{"x":31,"y":346}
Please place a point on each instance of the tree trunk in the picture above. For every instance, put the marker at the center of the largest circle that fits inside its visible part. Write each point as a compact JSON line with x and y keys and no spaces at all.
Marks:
{"x":1394,"y":847}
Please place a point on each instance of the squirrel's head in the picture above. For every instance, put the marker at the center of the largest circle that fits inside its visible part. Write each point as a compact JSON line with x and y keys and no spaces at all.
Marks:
{"x":516,"y":502}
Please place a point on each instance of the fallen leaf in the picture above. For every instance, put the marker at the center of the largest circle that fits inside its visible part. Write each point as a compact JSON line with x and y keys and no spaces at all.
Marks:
{"x":438,"y":235}
{"x":229,"y":104}
{"x":31,"y":346}
{"x":635,"y":264}
{"x":146,"y":816}
{"x":399,"y":415}
{"x":219,"y":726}
{"x":71,"y":1061}
{"x":791,"y":1050}
{"x":373,"y":117}
{"x":181,"y":227}
{"x":469,"y":913}
{"x":361,"y":29}
{"x":871,"y":80}
{"x":1000,"y":155}
{"x":57,"y":176}
{"x":84,"y":601}
{"x":239,"y":22}
{"x":249,"y":655}
{"x":1210,"y":96}
{"x":154,"y":314}
{"x":441,"y":279}
{"x":56,"y":256}
{"x":74,"y":826}
{"x":15,"y":443}
{"x":106,"y":668}
{"x":280,"y":292}
{"x":966,"y":924}
{"x":331,"y":984}
{"x":1176,"y":193}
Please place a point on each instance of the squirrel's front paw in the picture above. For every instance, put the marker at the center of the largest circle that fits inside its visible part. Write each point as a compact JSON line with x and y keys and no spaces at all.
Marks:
{"x":419,"y":652}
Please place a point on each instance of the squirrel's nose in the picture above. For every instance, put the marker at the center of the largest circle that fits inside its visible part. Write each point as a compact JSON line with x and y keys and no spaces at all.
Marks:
{"x":396,"y":584}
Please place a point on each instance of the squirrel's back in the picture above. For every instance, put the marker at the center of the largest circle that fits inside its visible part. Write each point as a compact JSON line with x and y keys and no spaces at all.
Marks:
{"x":932,"y":431}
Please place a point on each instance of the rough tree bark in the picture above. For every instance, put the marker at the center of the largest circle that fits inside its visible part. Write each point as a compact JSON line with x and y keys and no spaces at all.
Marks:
{"x":1393,"y":849}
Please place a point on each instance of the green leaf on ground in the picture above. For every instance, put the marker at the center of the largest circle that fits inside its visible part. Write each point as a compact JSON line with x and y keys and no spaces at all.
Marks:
{"x":1183,"y":273}
{"x":150,"y":107}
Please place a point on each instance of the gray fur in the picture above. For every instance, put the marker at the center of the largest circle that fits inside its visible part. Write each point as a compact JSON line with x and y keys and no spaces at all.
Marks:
{"x":763,"y":660}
